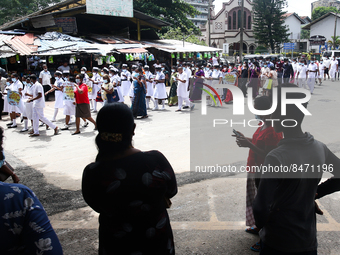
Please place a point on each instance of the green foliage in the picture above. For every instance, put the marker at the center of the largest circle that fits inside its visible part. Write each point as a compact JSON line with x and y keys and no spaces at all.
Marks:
{"x":177,"y":34}
{"x":305,"y":34}
{"x":335,"y":42}
{"x":176,"y":14}
{"x":320,"y":11}
{"x":269,"y":28}
{"x":13,"y":9}
{"x":261,"y":49}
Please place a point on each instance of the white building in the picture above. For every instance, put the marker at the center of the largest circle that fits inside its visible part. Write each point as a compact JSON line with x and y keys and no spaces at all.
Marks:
{"x":324,"y":26}
{"x":294,"y":23}
{"x":225,"y":28}
{"x":202,"y":6}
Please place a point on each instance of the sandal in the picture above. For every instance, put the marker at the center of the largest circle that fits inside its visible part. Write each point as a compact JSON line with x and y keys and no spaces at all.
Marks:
{"x":252,"y":230}
{"x":144,"y":117}
{"x":256,"y":247}
{"x":33,"y":135}
{"x":76,"y":133}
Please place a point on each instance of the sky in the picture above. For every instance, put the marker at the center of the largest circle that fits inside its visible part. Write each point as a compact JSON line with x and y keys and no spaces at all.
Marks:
{"x":301,"y":7}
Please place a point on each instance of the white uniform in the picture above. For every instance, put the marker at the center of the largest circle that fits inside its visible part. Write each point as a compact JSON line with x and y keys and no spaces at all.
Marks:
{"x":28,"y":105}
{"x":160,"y":91}
{"x":58,"y":94}
{"x":6,"y":104}
{"x":45,"y":77}
{"x":126,"y":84}
{"x":38,"y":108}
{"x":95,"y":87}
{"x":216,"y":74}
{"x":119,"y":88}
{"x":333,"y":69}
{"x":302,"y":70}
{"x":182,"y":90}
{"x":149,"y":76}
{"x":312,"y":76}
{"x":131,"y":92}
{"x":321,"y":70}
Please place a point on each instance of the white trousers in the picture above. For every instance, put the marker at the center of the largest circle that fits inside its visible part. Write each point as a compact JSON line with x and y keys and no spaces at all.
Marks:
{"x":180,"y":102}
{"x":332,"y":73}
{"x":311,"y":84}
{"x":38,"y":114}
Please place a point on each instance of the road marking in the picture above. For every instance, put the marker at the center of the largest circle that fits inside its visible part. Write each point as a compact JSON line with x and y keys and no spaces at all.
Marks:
{"x":213,"y":224}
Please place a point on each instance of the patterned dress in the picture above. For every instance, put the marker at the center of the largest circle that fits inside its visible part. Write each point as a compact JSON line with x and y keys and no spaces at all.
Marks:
{"x":129,"y":193}
{"x":24,"y":225}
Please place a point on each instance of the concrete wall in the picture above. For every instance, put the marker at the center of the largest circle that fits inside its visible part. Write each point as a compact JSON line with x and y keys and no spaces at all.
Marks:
{"x":325,"y":27}
{"x":294,"y":26}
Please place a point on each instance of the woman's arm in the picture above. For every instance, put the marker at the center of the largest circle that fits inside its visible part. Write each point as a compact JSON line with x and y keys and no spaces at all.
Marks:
{"x":6,"y":170}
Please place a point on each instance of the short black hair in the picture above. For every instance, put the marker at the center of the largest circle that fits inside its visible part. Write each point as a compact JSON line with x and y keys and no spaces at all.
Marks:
{"x":33,"y":77}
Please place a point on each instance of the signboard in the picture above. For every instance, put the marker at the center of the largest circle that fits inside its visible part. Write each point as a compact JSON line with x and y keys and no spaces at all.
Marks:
{"x":289,"y":46}
{"x":120,"y":8}
{"x":13,"y":98}
{"x":45,"y":21}
{"x":225,"y":48}
{"x":229,"y":78}
{"x":68,"y":93}
{"x":317,"y":40}
{"x":67,"y":25}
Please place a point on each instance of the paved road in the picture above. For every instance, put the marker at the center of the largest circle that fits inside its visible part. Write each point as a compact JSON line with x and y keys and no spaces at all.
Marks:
{"x":209,"y":211}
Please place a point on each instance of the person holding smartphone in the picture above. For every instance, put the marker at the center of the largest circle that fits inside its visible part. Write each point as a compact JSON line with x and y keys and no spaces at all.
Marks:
{"x":263,"y":141}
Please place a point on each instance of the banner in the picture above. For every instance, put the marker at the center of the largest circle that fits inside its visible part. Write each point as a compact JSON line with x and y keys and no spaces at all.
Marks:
{"x":13,"y":98}
{"x":120,"y":8}
{"x":68,"y":93}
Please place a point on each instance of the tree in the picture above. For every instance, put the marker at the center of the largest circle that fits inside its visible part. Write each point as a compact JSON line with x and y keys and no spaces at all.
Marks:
{"x":269,"y":28}
{"x":176,"y":14}
{"x":320,"y":11}
{"x":335,"y":42}
{"x":177,"y":34}
{"x":305,"y":34}
{"x":12,"y":9}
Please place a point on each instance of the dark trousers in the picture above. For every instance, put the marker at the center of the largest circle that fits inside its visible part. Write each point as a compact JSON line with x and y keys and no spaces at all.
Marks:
{"x":279,"y":77}
{"x":1,"y":104}
{"x":46,"y":88}
{"x":266,"y":250}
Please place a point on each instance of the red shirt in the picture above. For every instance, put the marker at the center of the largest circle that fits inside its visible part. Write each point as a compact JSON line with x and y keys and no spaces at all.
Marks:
{"x":266,"y":137}
{"x":84,"y":97}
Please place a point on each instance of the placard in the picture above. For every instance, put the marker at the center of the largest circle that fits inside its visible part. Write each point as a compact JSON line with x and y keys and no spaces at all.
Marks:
{"x":68,"y":93}
{"x":13,"y":98}
{"x":230,"y":78}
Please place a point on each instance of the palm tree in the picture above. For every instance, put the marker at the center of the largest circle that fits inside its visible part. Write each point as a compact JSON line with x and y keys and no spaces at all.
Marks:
{"x":335,"y":42}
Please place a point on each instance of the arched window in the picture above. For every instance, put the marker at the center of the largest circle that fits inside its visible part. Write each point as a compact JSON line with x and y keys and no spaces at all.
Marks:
{"x":234,"y":20}
{"x":239,"y":19}
{"x":229,"y":23}
{"x":249,"y":22}
{"x":245,"y":20}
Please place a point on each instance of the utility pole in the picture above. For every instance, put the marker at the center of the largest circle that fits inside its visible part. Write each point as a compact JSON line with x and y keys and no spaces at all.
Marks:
{"x":209,"y":18}
{"x":241,"y":30}
{"x":336,"y":21}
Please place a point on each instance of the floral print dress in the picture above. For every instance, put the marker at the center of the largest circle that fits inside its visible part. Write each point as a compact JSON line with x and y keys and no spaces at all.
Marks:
{"x":24,"y":225}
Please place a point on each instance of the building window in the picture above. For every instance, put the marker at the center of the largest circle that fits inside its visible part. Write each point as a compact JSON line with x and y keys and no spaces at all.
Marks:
{"x":249,"y":22}
{"x":229,"y":23}
{"x":239,"y":18}
{"x":245,"y":20}
{"x":234,"y":20}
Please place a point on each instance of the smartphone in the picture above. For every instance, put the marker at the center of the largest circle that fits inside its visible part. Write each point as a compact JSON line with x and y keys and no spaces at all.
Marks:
{"x":236,"y":133}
